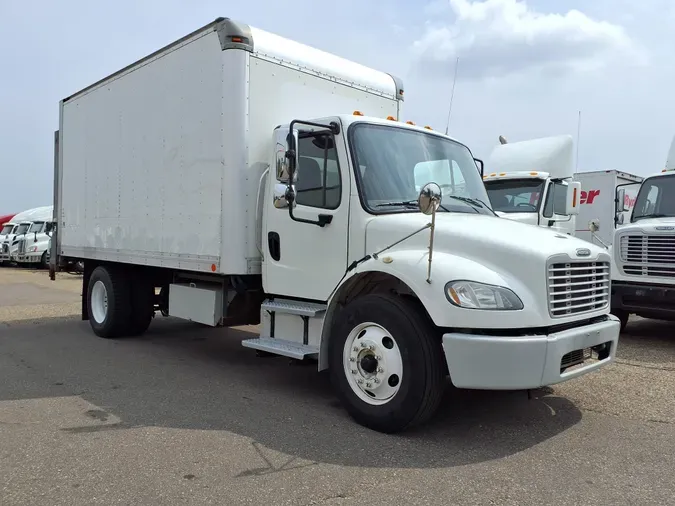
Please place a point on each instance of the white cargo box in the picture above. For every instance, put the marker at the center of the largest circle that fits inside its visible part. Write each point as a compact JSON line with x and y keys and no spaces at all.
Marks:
{"x":159,"y":164}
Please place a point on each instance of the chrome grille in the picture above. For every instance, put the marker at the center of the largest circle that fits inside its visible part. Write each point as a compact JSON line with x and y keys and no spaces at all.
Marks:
{"x":648,"y":255}
{"x":577,"y":287}
{"x":5,"y":247}
{"x":22,"y":246}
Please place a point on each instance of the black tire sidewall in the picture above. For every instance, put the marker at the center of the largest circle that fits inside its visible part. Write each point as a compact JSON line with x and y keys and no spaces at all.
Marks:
{"x":105,"y":328}
{"x":408,"y":328}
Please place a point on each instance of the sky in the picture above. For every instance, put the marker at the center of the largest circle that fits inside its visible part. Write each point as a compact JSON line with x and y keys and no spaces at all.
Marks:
{"x":526,"y":68}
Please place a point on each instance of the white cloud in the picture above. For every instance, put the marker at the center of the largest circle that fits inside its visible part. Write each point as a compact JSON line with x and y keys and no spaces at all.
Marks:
{"x":500,"y":37}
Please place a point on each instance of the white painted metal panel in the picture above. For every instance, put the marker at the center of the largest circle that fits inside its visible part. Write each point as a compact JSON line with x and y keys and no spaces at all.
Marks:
{"x":201,"y":304}
{"x":313,"y":60}
{"x":142,"y":162}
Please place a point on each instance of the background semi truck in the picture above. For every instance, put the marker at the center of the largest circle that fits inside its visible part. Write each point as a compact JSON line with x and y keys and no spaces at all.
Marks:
{"x":527,"y":181}
{"x":643,"y":273}
{"x":237,"y":177}
{"x":18,"y":227}
{"x":531,"y":181}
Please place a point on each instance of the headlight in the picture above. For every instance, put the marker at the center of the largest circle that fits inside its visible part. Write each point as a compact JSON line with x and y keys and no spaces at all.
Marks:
{"x":472,"y":295}
{"x":32,"y":249}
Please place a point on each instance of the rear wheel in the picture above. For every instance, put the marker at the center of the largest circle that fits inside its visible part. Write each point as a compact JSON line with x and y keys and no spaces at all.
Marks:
{"x":386,"y":363}
{"x":108,"y":302}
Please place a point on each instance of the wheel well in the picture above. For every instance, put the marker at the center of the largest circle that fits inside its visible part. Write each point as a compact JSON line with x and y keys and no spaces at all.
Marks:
{"x":358,"y":286}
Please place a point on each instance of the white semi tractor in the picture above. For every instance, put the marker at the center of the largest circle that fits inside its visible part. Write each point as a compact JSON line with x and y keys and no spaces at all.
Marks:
{"x":643,"y":253}
{"x":532,"y":181}
{"x":32,"y":247}
{"x":236,"y":173}
{"x":18,"y":245}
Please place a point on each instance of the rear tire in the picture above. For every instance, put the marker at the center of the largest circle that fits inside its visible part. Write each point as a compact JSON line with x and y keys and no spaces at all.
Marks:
{"x":142,"y":306}
{"x":386,"y":363}
{"x":108,"y":302}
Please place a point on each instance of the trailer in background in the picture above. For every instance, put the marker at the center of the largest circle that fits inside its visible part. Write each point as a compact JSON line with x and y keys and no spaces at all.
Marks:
{"x":597,"y":206}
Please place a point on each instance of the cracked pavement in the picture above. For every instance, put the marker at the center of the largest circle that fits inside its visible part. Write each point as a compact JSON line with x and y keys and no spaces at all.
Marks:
{"x":186,"y":415}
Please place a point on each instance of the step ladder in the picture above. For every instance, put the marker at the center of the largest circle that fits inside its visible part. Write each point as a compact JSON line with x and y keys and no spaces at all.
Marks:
{"x":297,"y":349}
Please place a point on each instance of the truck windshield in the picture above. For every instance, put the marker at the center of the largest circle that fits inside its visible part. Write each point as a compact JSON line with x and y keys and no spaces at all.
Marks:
{"x":394,"y":163}
{"x":23,"y":228}
{"x":515,"y":195}
{"x":36,"y":227}
{"x":6,"y":229}
{"x":656,"y":198}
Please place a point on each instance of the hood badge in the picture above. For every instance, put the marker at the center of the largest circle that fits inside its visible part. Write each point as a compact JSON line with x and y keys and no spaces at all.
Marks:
{"x":665,"y":228}
{"x":583,"y":252}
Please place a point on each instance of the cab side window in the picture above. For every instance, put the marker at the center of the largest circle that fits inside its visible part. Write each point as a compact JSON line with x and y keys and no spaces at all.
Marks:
{"x":318,"y":181}
{"x":556,"y":200}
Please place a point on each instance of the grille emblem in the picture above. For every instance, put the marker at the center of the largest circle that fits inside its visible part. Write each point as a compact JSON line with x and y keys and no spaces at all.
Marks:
{"x":665,"y":228}
{"x":583,"y":252}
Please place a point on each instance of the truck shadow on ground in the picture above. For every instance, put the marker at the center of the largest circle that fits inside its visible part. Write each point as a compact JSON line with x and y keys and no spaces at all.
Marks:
{"x":184,"y":376}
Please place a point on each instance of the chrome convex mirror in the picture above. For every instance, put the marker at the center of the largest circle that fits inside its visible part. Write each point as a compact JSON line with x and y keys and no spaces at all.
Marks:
{"x":429,"y":201}
{"x":430,"y":198}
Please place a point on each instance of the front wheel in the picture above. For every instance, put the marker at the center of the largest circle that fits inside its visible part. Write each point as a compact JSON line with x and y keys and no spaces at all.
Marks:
{"x":623,"y":316}
{"x":386,"y":363}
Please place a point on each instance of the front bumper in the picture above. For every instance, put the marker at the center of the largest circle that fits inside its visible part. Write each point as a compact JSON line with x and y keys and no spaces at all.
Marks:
{"x":643,"y":298}
{"x":28,"y":258}
{"x":523,"y":362}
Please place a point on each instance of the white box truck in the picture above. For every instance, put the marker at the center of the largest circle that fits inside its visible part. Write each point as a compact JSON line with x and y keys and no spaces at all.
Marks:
{"x":230,"y":172}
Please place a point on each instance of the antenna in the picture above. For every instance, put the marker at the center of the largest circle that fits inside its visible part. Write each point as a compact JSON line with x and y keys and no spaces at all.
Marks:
{"x":576,"y":169}
{"x":452,"y":95}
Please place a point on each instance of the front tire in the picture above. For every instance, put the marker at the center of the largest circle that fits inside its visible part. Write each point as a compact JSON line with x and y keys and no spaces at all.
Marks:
{"x":622,"y":316}
{"x":386,"y":363}
{"x":108,"y":303}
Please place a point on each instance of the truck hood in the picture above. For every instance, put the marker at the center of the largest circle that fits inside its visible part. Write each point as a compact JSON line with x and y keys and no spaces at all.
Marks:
{"x":528,"y":218}
{"x":510,"y":253}
{"x":474,"y":236}
{"x":651,"y":225}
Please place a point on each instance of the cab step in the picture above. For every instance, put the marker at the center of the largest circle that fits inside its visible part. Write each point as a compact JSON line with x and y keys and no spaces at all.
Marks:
{"x":282,"y":347}
{"x":294,"y":307}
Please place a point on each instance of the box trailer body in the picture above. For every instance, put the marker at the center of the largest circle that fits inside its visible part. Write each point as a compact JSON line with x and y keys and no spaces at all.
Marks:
{"x":531,"y":182}
{"x":255,"y":180}
{"x":193,"y":122}
{"x":597,"y":205}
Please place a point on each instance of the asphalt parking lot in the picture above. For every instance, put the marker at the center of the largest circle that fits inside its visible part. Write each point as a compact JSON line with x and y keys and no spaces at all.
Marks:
{"x":186,"y":415}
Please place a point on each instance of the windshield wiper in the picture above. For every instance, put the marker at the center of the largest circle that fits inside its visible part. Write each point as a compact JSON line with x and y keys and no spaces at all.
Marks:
{"x":406,"y":203}
{"x":474,"y":203}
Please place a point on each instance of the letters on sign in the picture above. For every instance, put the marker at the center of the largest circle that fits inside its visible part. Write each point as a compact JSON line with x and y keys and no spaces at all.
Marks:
{"x":588,"y":196}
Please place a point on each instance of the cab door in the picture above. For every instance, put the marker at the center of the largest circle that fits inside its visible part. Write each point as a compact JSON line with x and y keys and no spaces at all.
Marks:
{"x":305,"y":255}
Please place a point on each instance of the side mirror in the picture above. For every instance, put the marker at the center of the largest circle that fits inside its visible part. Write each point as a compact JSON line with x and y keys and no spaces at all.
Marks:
{"x":594,"y":226}
{"x":283,"y":195}
{"x":620,"y":202}
{"x":573,"y":195}
{"x":480,"y":165}
{"x":430,"y":198}
{"x":285,"y":149}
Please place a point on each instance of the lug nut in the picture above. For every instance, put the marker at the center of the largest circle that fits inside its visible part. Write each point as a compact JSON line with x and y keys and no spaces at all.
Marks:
{"x":379,"y":357}
{"x":380,"y":369}
{"x":355,"y":348}
{"x":354,"y":371}
{"x":352,"y":359}
{"x":359,"y":381}
{"x":372,"y":347}
{"x":369,"y":385}
{"x":363,"y":345}
{"x":376,"y":380}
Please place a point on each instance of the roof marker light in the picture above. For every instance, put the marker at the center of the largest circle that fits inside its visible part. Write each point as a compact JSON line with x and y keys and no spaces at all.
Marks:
{"x":358,"y":113}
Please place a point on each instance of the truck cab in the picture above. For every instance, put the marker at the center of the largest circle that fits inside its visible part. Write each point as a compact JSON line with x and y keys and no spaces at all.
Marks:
{"x":531,"y":182}
{"x":643,"y":280}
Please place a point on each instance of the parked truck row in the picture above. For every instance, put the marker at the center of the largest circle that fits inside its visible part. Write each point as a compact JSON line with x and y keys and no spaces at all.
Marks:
{"x":631,"y":217}
{"x":237,"y":177}
{"x":25,"y":237}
